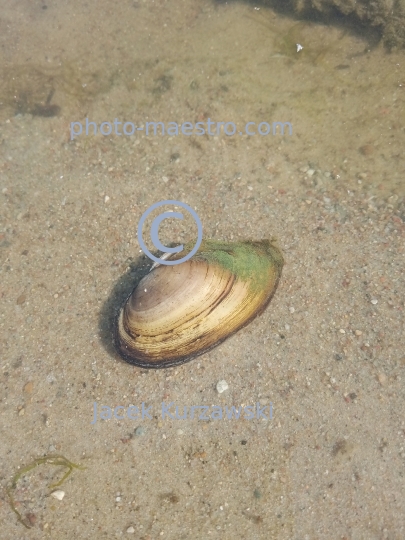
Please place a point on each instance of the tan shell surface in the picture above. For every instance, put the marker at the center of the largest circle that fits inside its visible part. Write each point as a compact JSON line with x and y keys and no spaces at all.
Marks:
{"x":177,"y":312}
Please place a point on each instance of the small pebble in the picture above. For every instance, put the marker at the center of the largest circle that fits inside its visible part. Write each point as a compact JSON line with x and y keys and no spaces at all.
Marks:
{"x":222,"y":386}
{"x":58,"y":494}
{"x":292,"y":310}
{"x":342,"y":331}
{"x":130,"y":530}
{"x":310,"y":172}
{"x":21,"y":299}
{"x":367,"y":150}
{"x":32,"y":518}
{"x":180,"y":432}
{"x":374,"y":301}
{"x":106,"y":199}
{"x":28,"y":388}
{"x":358,"y":332}
{"x":382,"y":379}
{"x":165,"y":180}
{"x":139,"y":431}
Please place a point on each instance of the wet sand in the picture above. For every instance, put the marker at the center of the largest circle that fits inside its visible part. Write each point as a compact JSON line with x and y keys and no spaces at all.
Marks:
{"x":327,"y":353}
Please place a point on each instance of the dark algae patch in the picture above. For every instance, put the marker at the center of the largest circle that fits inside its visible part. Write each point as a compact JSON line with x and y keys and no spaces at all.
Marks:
{"x":38,"y":90}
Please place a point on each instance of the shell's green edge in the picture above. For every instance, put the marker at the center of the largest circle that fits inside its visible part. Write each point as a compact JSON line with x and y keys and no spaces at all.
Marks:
{"x":247,"y":260}
{"x":46,"y":460}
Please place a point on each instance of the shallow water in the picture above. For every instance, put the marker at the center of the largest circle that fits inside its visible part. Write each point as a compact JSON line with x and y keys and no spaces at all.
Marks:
{"x":326,"y":353}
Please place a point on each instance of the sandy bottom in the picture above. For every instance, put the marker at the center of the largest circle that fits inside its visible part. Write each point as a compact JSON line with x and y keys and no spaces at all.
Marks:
{"x":326,"y":356}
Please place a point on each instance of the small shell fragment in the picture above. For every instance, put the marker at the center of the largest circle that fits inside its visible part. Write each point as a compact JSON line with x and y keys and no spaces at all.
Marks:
{"x":58,"y":494}
{"x":222,"y":386}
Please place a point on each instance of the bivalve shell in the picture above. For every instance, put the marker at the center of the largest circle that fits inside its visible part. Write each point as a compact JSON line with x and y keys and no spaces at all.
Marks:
{"x":180,"y":311}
